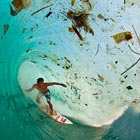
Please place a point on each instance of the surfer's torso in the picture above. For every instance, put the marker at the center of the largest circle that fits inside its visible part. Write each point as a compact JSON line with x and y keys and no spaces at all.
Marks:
{"x":43,"y":88}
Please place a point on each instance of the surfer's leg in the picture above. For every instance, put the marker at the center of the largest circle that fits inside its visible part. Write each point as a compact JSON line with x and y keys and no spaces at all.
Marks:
{"x":51,"y":107}
{"x":39,"y":95}
{"x":48,"y":98}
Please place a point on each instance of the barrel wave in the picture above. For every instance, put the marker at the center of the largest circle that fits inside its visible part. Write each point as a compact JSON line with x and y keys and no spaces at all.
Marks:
{"x":91,"y":46}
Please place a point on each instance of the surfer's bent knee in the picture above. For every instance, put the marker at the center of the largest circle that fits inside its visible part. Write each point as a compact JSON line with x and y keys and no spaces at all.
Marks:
{"x":38,"y":100}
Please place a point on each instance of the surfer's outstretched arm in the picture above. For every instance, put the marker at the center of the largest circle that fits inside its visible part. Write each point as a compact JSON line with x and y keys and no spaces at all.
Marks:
{"x":30,"y":89}
{"x":55,"y":83}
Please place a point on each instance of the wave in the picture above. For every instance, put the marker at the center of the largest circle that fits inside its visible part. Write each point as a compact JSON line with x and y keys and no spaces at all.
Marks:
{"x":102,"y":76}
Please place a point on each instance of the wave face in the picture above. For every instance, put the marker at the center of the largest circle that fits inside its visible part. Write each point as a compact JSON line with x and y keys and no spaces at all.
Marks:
{"x":70,"y":42}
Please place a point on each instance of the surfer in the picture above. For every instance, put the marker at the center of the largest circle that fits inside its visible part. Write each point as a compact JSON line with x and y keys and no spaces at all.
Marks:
{"x":42,"y":87}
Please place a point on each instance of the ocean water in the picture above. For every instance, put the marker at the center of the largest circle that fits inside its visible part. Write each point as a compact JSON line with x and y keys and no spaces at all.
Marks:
{"x":102,"y":77}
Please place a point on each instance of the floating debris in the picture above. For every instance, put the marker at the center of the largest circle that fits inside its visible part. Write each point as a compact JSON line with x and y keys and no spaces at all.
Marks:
{"x":88,"y":4}
{"x":67,"y":63}
{"x":95,"y":94}
{"x":30,"y":37}
{"x":28,"y":50}
{"x":129,"y":87}
{"x":73,"y":2}
{"x":19,"y":5}
{"x":6,"y":27}
{"x":48,"y":14}
{"x":100,"y":16}
{"x":134,"y":102}
{"x":23,"y":30}
{"x":80,"y":20}
{"x":79,"y":96}
{"x":131,"y":66}
{"x":125,"y":76}
{"x":78,"y":33}
{"x":65,"y":58}
{"x":101,"y":78}
{"x":124,"y":36}
{"x":113,"y":65}
{"x":50,"y":42}
{"x":70,"y":29}
{"x":124,"y":1}
{"x":41,"y":9}
{"x":136,"y":34}
{"x":97,"y":49}
{"x":12,"y":12}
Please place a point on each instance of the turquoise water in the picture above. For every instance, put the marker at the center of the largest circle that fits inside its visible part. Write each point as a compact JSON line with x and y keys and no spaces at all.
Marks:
{"x":36,"y":46}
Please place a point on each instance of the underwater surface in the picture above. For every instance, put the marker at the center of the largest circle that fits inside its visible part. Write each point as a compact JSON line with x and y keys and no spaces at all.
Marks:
{"x":93,"y":46}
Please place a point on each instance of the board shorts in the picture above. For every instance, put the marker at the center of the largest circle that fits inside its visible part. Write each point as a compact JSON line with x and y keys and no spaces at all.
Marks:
{"x":47,"y":96}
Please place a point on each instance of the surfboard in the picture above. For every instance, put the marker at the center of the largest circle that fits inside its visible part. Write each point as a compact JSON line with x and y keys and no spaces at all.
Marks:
{"x":56,"y":115}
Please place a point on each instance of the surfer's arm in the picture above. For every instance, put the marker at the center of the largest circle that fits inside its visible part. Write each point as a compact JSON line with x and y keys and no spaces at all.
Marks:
{"x":30,"y":89}
{"x":55,"y":83}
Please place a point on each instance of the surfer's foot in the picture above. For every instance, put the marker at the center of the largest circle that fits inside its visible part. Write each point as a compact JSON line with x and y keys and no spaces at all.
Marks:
{"x":51,"y":112}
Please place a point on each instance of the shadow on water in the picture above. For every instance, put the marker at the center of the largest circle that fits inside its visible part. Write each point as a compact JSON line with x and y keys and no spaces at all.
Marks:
{"x":125,"y":128}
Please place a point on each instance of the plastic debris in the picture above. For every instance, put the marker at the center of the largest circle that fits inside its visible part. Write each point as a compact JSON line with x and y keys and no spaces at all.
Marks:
{"x":48,"y":14}
{"x":129,"y":87}
{"x":136,"y":35}
{"x":12,"y":11}
{"x":131,"y":66}
{"x":100,"y":16}
{"x":123,"y":36}
{"x":41,"y":9}
{"x":70,"y":29}
{"x":19,"y":5}
{"x":73,"y":2}
{"x":101,"y":78}
{"x":78,"y":33}
{"x":88,"y":3}
{"x":80,"y":20}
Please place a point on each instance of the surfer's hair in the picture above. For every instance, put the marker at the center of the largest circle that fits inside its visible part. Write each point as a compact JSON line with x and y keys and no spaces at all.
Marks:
{"x":40,"y":80}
